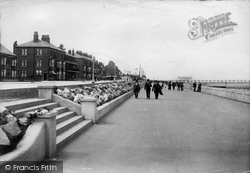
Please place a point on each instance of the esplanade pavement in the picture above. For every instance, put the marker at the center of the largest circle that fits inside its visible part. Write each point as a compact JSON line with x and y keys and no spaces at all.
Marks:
{"x":181,"y":132}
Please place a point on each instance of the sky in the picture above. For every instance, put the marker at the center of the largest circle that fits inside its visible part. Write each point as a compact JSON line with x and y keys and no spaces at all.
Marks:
{"x":132,"y":33}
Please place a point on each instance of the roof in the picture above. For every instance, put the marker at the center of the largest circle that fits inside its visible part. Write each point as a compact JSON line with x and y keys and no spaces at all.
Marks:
{"x":82,"y":56}
{"x":39,"y":43}
{"x":6,"y":51}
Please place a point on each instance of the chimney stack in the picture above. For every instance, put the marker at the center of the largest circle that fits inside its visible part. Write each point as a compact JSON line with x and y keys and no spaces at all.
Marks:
{"x":14,"y":45}
{"x":61,"y":47}
{"x":46,"y":38}
{"x":35,"y":40}
{"x":73,"y":52}
{"x":69,"y":51}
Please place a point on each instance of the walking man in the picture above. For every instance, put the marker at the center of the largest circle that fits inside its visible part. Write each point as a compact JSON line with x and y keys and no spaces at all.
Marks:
{"x":147,"y":87}
{"x":194,"y":86}
{"x":157,"y":89}
{"x":199,"y":87}
{"x":136,"y":88}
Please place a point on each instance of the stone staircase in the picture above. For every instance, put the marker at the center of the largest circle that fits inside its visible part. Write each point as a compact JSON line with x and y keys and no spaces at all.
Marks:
{"x":69,"y":125}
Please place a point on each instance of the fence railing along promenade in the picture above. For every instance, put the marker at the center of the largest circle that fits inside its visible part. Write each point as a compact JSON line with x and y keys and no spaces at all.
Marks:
{"x":233,"y":94}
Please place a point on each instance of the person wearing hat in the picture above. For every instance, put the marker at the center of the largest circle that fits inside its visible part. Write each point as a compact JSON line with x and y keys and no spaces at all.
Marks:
{"x":157,"y":89}
{"x":147,"y":87}
{"x":136,"y":88}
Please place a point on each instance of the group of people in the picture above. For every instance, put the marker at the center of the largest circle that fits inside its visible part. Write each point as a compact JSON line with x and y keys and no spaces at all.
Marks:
{"x":195,"y":85}
{"x":178,"y":84}
{"x":102,"y":92}
{"x":156,"y":88}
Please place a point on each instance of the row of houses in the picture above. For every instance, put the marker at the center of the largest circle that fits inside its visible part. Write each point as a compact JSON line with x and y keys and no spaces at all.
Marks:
{"x":38,"y":59}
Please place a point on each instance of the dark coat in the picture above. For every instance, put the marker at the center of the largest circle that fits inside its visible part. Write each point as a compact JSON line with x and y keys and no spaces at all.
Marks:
{"x":147,"y":86}
{"x":157,"y":88}
{"x":136,"y":87}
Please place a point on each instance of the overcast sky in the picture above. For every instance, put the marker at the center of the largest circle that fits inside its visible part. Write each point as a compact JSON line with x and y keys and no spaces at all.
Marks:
{"x":153,"y":34}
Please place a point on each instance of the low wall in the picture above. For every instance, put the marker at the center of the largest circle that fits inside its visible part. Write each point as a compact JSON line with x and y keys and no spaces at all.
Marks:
{"x":234,"y":94}
{"x":32,"y":147}
{"x":107,"y":107}
{"x":72,"y":106}
{"x":22,"y":93}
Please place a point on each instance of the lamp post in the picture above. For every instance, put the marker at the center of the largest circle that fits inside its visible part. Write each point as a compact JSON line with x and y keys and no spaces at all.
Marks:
{"x":93,"y":71}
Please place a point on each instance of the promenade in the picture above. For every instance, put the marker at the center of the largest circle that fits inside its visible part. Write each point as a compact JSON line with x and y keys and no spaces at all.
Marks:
{"x":181,"y":132}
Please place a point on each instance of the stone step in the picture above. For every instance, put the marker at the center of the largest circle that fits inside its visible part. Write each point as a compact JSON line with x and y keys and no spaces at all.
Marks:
{"x":21,"y":104}
{"x":21,"y":112}
{"x":67,"y":136}
{"x":64,"y":116}
{"x":60,"y":110}
{"x":65,"y":125}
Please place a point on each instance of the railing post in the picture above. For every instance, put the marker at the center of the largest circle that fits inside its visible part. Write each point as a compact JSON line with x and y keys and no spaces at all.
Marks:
{"x":50,"y":122}
{"x":88,"y":109}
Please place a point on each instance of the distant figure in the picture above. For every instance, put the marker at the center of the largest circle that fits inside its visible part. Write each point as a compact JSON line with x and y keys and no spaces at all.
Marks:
{"x":194,"y":86}
{"x":199,"y":87}
{"x":136,"y":88}
{"x":178,"y":83}
{"x":182,"y":85}
{"x":157,"y":89}
{"x":169,"y":85}
{"x":147,"y":87}
{"x":173,"y":85}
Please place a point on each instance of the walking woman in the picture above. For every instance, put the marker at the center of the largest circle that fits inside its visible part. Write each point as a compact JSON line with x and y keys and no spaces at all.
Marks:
{"x":157,"y":89}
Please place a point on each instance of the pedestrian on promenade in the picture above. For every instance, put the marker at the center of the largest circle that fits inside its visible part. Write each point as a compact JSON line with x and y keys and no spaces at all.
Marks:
{"x":173,"y":85}
{"x":157,"y":89}
{"x":194,"y":86}
{"x":147,"y":87}
{"x":182,"y":85}
{"x":169,"y":85}
{"x":178,"y":83}
{"x":199,"y":87}
{"x":136,"y":88}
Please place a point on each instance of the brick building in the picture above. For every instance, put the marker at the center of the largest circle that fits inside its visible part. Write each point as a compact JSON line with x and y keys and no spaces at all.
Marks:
{"x":8,"y":64}
{"x":39,"y":59}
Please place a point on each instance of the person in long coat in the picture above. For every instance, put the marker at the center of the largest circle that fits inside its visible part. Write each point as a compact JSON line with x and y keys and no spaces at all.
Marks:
{"x":169,"y":85}
{"x":194,"y":86}
{"x":136,"y":88}
{"x":147,"y":87}
{"x":157,"y":89}
{"x":199,"y":87}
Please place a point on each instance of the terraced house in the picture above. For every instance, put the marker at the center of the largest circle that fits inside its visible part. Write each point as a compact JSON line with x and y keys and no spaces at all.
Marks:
{"x":39,"y":59}
{"x":8,"y":64}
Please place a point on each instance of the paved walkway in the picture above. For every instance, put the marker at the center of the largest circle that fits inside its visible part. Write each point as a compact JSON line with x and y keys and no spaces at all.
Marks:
{"x":181,"y":132}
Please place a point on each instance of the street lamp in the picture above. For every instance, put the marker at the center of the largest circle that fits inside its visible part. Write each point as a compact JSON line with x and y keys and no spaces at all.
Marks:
{"x":93,"y":72}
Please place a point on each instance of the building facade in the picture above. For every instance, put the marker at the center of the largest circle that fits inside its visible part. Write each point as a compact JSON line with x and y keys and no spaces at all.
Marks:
{"x":8,"y":64}
{"x":39,"y":60}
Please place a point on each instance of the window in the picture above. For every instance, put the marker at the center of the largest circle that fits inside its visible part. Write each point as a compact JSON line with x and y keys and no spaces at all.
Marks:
{"x":51,"y":63}
{"x":13,"y":73}
{"x":3,"y":72}
{"x":24,"y":52}
{"x":13,"y":63}
{"x":60,"y":64}
{"x":23,"y":73}
{"x":39,"y":52}
{"x":3,"y":60}
{"x":84,"y":68}
{"x":24,"y":63}
{"x":39,"y":72}
{"x":39,"y":63}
